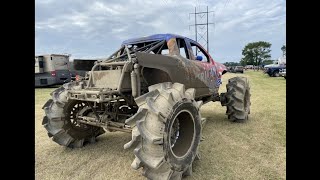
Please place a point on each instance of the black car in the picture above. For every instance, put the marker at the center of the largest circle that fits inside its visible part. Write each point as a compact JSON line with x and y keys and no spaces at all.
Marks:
{"x":236,"y":69}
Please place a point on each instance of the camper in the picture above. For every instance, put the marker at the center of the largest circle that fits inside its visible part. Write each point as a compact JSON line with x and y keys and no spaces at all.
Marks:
{"x":51,"y":69}
{"x":278,"y":63}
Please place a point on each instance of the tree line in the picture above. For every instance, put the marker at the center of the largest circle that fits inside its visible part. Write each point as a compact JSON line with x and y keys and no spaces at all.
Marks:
{"x":257,"y":54}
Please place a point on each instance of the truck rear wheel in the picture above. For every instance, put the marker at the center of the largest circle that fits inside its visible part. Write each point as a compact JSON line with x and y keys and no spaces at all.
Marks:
{"x":60,"y":120}
{"x":238,"y":99}
{"x":168,"y":131}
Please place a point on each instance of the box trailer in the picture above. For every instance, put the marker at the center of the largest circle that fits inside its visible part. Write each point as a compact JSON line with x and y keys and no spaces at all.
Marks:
{"x":79,"y":67}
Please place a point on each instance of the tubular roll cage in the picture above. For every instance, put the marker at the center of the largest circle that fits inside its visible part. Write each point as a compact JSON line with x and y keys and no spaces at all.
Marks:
{"x":101,"y":95}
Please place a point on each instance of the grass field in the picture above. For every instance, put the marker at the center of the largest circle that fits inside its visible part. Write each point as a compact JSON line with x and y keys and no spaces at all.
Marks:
{"x":255,"y":149}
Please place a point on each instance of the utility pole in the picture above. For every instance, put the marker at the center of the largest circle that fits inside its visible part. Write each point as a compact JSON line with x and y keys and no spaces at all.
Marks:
{"x":207,"y":31}
{"x":201,"y":26}
{"x":195,"y":21}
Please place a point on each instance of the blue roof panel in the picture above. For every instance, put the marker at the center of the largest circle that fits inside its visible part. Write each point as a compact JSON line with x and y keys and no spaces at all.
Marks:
{"x":155,"y":37}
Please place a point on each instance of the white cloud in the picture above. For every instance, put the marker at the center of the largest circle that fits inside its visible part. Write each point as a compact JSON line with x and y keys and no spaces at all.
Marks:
{"x":44,"y":1}
{"x":78,"y":19}
{"x":104,"y":9}
{"x":98,"y":27}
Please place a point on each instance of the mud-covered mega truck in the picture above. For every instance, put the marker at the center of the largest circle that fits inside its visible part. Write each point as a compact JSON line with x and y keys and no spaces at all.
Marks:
{"x":153,"y":88}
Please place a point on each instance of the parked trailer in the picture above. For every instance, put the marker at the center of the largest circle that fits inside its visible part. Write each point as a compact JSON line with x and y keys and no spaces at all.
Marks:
{"x":79,"y":67}
{"x":51,"y":69}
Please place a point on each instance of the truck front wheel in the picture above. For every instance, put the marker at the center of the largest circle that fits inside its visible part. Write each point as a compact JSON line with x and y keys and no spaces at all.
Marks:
{"x":168,"y":128}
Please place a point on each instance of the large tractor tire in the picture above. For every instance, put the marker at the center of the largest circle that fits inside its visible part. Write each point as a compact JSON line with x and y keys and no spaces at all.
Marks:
{"x":167,"y":132}
{"x":238,"y":99}
{"x":60,"y":120}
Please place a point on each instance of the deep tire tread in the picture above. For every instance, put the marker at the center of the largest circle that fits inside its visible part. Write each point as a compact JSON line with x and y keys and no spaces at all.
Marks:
{"x":149,"y":152}
{"x":238,"y":93}
{"x":55,"y":123}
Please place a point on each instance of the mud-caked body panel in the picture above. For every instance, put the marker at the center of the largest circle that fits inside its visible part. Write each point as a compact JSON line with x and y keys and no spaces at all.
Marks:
{"x":175,"y":68}
{"x":205,"y":77}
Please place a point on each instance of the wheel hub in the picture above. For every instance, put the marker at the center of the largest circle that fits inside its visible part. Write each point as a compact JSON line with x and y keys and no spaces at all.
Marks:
{"x":175,"y":132}
{"x":182,"y":133}
{"x":79,"y":109}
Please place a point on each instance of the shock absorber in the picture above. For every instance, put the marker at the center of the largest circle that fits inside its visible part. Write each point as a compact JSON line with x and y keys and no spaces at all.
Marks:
{"x":137,"y":71}
{"x":134,"y":84}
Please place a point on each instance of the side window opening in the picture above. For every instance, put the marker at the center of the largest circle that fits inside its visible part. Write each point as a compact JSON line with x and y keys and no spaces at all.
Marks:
{"x":183,"y":48}
{"x":164,"y":50}
{"x":198,"y":51}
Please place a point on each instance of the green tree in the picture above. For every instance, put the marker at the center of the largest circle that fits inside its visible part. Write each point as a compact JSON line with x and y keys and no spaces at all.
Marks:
{"x":245,"y":62}
{"x":255,"y":53}
{"x":283,"y":49}
{"x":266,"y":62}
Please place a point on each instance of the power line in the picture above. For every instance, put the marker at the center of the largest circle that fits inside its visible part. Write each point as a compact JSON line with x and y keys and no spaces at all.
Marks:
{"x":174,"y":14}
{"x":217,"y":13}
{"x":225,"y":4}
{"x":202,"y":26}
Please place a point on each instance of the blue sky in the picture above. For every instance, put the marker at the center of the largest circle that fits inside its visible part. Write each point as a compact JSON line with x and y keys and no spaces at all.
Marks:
{"x":95,"y":29}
